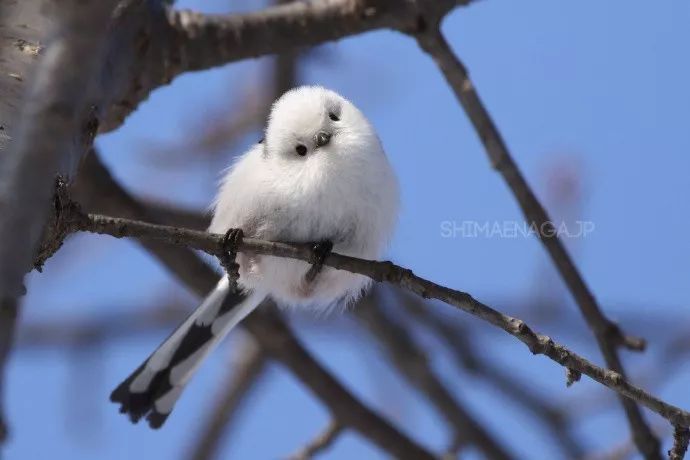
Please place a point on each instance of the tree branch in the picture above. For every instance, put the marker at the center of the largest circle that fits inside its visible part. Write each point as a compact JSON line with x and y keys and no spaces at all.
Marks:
{"x":393,"y":274}
{"x":681,"y":437}
{"x":60,"y":90}
{"x":169,"y":45}
{"x":458,"y":341}
{"x":608,"y":335}
{"x":319,"y":444}
{"x":205,"y":41}
{"x":8,"y":321}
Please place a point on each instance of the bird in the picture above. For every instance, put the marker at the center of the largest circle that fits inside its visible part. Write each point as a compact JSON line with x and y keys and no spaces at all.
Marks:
{"x":320,"y":176}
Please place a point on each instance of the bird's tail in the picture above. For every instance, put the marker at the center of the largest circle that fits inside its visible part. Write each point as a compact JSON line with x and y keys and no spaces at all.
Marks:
{"x":155,"y":386}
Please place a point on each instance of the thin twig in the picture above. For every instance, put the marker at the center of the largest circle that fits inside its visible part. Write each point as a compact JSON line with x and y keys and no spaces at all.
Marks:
{"x":469,"y":358}
{"x":394,"y":274}
{"x":608,"y":335}
{"x":319,"y":444}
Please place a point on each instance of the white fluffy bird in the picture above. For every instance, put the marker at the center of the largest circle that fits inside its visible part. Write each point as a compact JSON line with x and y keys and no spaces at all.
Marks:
{"x":319,"y":175}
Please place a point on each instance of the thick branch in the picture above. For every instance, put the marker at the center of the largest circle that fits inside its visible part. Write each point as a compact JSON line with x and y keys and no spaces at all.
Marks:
{"x":608,"y":335}
{"x":205,"y":41}
{"x":165,"y":47}
{"x":59,"y":92}
{"x":42,"y":141}
{"x":394,"y":274}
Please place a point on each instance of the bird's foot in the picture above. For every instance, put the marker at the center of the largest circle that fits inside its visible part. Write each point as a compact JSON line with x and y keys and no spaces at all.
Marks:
{"x":228,"y":254}
{"x":320,"y":251}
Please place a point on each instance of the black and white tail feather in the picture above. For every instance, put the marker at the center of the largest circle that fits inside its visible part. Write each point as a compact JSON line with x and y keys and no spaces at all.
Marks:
{"x":153,"y":389}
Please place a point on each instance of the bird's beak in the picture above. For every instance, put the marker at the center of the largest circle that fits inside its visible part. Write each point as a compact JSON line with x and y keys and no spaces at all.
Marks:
{"x":322,"y":138}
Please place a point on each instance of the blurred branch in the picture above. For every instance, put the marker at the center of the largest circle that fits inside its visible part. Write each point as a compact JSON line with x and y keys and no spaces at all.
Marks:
{"x":8,"y":321}
{"x":379,"y":271}
{"x":244,"y":374}
{"x":183,"y":217}
{"x":220,"y":129}
{"x":453,"y":449}
{"x":457,"y":339}
{"x":275,"y":336}
{"x":413,"y":363}
{"x":627,"y":449}
{"x":319,"y":444}
{"x":608,"y":335}
{"x":58,"y":334}
{"x":681,"y":437}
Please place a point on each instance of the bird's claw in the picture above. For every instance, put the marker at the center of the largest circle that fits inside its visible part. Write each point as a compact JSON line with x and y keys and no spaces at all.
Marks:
{"x":228,"y":254}
{"x":320,"y":251}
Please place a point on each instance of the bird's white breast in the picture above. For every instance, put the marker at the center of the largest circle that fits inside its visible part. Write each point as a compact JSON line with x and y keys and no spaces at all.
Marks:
{"x":351,"y":201}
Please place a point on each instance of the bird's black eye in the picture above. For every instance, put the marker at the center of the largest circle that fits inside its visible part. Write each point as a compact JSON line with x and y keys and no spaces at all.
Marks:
{"x":301,"y":150}
{"x":333,"y":116}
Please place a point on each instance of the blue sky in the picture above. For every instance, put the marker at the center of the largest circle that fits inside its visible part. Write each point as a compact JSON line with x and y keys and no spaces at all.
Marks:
{"x":599,"y":88}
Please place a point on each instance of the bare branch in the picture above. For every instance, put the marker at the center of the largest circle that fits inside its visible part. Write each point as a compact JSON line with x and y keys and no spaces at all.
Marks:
{"x":8,"y":321}
{"x":681,"y":437}
{"x":453,"y":449}
{"x":250,"y":365}
{"x":458,"y":341}
{"x":608,"y":335}
{"x":167,"y":44}
{"x":394,"y":274}
{"x":205,"y":41}
{"x":319,"y":444}
{"x":45,"y":138}
{"x":34,"y":158}
{"x":275,"y":336}
{"x":56,"y":334}
{"x":413,"y":364}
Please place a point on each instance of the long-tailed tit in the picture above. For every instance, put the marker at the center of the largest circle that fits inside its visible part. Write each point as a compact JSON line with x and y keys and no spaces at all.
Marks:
{"x":320,"y":174}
